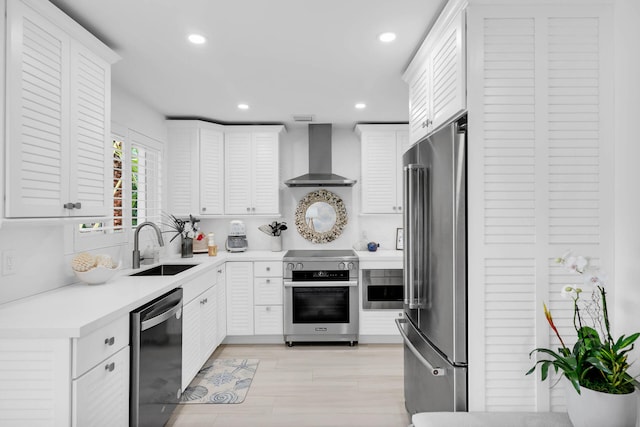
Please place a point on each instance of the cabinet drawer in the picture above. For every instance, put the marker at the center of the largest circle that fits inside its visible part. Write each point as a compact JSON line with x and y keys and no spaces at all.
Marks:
{"x":268,"y":320}
{"x":98,"y":345}
{"x":192,"y":287}
{"x":267,"y":290}
{"x":101,"y":396}
{"x":267,"y":269}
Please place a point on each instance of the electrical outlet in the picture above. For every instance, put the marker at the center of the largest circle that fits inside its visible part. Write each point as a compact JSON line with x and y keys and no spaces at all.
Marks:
{"x":8,"y":263}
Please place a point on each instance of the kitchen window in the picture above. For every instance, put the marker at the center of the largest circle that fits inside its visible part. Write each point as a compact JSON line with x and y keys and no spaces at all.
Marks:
{"x":137,"y":190}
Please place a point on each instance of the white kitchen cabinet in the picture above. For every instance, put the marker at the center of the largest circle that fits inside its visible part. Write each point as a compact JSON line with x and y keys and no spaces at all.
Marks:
{"x":540,"y":181}
{"x":267,"y":298}
{"x":239,"y":279}
{"x":252,"y":175}
{"x":221,"y":301}
{"x":199,"y":323}
{"x":437,"y":75}
{"x":101,"y":395}
{"x":58,"y":79}
{"x":196,"y":150}
{"x":382,"y":147}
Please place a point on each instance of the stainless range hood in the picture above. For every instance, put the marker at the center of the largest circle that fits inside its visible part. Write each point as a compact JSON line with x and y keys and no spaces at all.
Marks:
{"x":320,"y":161}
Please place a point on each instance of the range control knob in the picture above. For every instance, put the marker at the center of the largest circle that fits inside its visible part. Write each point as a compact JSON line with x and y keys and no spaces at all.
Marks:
{"x":341,"y":266}
{"x":299,"y":266}
{"x":290,"y":266}
{"x":350,"y":266}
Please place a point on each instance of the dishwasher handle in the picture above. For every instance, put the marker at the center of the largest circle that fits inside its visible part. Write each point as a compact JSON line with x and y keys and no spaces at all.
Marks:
{"x":436,"y":372}
{"x":156,"y":320}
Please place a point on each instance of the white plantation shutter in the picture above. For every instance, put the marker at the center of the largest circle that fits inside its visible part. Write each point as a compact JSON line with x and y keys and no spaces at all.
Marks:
{"x":539,"y":178}
{"x":146,"y":181}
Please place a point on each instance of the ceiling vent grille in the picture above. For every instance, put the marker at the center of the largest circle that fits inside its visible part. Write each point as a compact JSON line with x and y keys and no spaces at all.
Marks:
{"x":303,"y":117}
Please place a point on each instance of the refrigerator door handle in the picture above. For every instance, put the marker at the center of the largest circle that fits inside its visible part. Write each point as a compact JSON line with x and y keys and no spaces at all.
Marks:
{"x":436,"y":372}
{"x":413,"y":181}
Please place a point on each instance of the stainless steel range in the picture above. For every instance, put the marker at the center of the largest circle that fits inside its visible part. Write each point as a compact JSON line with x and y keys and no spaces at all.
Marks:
{"x":320,"y":296}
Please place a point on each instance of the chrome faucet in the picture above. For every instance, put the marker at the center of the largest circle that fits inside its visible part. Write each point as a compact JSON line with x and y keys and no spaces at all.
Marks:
{"x":136,"y":251}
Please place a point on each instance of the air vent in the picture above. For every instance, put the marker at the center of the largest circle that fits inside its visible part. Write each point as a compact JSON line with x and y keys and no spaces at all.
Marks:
{"x":303,"y":117}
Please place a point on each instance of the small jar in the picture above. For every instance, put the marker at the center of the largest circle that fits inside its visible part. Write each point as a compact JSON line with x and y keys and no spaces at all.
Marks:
{"x":213,"y":248}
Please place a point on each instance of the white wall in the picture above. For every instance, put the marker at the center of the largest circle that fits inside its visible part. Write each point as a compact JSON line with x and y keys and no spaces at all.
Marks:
{"x":294,"y":149}
{"x":43,"y":249}
{"x":627,"y":175}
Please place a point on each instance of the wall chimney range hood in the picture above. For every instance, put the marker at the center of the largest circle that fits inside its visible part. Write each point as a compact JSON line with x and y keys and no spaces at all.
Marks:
{"x":320,"y":161}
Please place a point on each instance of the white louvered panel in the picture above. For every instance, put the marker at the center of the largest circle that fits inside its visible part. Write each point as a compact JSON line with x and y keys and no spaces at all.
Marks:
{"x":101,"y":395}
{"x":209,"y":323}
{"x":448,"y":82}
{"x":418,"y":105}
{"x":267,"y":290}
{"x":237,"y":152}
{"x":35,"y":382}
{"x":379,"y":322}
{"x":379,"y":173}
{"x":38,"y":113}
{"x":509,"y":124}
{"x":183,"y":167}
{"x":91,"y":148}
{"x":268,"y":320}
{"x":266,"y":175}
{"x":221,"y":301}
{"x":191,"y":341}
{"x":574,"y":131}
{"x":239,"y":279}
{"x":211,"y":172}
{"x":510,"y":295}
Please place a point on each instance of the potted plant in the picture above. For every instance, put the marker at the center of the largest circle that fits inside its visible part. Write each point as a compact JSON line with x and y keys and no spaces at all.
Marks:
{"x":596,"y":367}
{"x":186,"y":229}
{"x":274,"y":230}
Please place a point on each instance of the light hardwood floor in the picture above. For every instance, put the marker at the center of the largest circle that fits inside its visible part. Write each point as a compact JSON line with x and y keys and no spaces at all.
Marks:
{"x":311,"y":386}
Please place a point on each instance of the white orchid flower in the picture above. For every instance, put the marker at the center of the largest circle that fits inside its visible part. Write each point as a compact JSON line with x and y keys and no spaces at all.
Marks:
{"x":576,"y":263}
{"x":595,"y":278}
{"x":563,"y":258}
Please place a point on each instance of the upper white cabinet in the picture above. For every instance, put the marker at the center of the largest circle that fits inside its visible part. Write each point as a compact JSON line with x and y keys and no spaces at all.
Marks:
{"x":58,"y":143}
{"x":437,"y":75}
{"x":382,"y":147}
{"x":252,"y":178}
{"x":196,"y":168}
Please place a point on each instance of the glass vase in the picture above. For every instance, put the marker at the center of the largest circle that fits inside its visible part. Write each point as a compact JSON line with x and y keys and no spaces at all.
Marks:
{"x":187,"y":247}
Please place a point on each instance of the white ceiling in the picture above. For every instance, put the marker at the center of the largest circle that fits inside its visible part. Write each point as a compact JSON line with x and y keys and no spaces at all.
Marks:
{"x":282,"y":57}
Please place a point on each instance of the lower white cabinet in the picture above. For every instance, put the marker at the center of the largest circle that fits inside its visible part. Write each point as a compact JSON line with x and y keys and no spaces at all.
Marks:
{"x":101,"y":395}
{"x":239,"y":298}
{"x":221,"y":302}
{"x":268,"y":319}
{"x":199,"y":324}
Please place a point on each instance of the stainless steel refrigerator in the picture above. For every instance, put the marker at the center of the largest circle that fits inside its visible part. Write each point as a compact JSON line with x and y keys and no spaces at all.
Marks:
{"x":435,"y":281}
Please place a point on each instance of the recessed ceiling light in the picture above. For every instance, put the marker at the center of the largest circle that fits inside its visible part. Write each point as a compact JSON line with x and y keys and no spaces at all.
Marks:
{"x":196,"y":39}
{"x":243,"y":106}
{"x":361,"y":105}
{"x":387,"y":37}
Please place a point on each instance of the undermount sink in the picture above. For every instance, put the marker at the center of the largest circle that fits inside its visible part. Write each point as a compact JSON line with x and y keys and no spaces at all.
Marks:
{"x":165,"y":270}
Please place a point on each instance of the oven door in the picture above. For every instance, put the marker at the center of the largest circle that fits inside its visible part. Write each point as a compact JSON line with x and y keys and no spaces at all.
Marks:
{"x":321,"y":309}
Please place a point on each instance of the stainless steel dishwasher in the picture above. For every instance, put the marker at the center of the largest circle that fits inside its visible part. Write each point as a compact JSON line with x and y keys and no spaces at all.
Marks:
{"x":156,"y":360}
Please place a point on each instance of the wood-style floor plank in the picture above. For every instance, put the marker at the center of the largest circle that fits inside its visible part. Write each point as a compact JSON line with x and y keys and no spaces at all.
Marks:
{"x":311,"y":385}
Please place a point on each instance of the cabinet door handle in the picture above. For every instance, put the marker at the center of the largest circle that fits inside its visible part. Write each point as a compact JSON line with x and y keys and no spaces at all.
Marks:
{"x":399,"y":208}
{"x":69,"y":205}
{"x":77,"y":205}
{"x":110,"y":367}
{"x":268,"y":308}
{"x":268,"y":268}
{"x":394,"y":208}
{"x":110,"y":341}
{"x":268,"y":280}
{"x":220,"y":271}
{"x":253,"y":209}
{"x":204,"y":209}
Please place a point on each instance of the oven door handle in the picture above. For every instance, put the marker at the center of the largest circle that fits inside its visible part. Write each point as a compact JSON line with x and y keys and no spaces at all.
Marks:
{"x":291,"y":284}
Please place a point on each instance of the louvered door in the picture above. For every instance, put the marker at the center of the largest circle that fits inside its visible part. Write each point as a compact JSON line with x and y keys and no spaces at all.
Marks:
{"x":539,"y":179}
{"x":238,"y":173}
{"x":191,"y":340}
{"x":239,"y":279}
{"x":91,"y":154}
{"x":211,"y":172}
{"x":419,"y":104}
{"x":265,"y":173}
{"x":183,"y":168}
{"x":379,"y":172}
{"x":447,"y":66}
{"x":37,"y":115}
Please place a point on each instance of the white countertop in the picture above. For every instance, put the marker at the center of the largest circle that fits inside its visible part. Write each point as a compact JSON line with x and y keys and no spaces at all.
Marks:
{"x":380,"y":255}
{"x":76,"y":310}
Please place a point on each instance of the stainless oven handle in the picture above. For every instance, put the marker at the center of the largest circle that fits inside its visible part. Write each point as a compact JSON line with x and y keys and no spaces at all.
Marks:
{"x":436,"y":372}
{"x":291,"y":284}
{"x":150,"y":323}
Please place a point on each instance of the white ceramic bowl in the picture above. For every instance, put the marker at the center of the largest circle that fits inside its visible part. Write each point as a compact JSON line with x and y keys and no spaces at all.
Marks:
{"x":96,"y":275}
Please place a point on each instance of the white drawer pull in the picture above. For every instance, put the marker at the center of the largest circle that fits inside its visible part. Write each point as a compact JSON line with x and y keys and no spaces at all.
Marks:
{"x":110,"y":367}
{"x":109,"y":341}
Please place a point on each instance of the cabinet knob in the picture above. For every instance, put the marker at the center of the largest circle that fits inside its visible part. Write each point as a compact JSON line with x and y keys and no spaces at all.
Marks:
{"x":399,"y":208}
{"x":69,"y":205}
{"x":268,"y":268}
{"x":268,"y":308}
{"x":248,"y":209}
{"x":110,"y":367}
{"x":204,"y":209}
{"x":220,"y":271}
{"x":77,"y":205}
{"x":110,"y":341}
{"x":253,"y":209}
{"x":394,"y":208}
{"x":268,"y":280}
